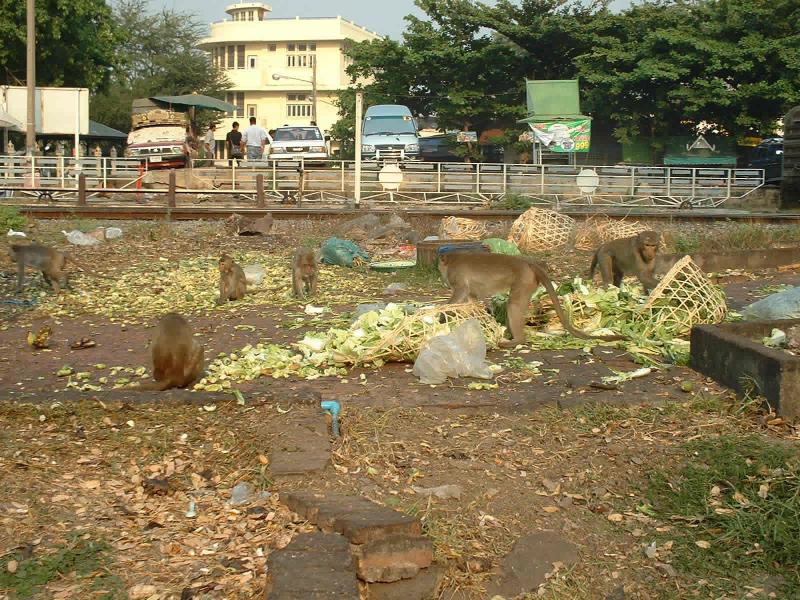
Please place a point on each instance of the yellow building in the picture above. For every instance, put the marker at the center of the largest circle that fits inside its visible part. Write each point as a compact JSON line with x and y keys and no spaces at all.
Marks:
{"x":274,"y":65}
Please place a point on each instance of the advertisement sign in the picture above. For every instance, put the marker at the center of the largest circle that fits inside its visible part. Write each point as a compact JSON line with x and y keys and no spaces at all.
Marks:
{"x":465,"y":137}
{"x":564,"y":136}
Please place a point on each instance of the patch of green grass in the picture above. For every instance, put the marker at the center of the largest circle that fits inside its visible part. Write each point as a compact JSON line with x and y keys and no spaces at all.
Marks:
{"x":742,"y":493}
{"x":80,"y":555}
{"x":686,"y":243}
{"x":10,"y":218}
{"x":420,"y":275}
{"x":514,"y":201}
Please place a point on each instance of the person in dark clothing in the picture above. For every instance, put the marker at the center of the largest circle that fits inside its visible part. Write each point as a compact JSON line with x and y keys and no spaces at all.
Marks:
{"x":234,"y":142}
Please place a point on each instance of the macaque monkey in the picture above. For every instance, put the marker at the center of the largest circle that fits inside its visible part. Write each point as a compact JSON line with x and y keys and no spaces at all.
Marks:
{"x":232,"y":282}
{"x":177,"y":356}
{"x":304,"y":273}
{"x":476,"y":276}
{"x":628,"y":256}
{"x":49,"y":261}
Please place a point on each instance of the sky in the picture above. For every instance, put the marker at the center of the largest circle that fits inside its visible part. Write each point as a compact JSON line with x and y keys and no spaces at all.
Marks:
{"x":382,"y":16}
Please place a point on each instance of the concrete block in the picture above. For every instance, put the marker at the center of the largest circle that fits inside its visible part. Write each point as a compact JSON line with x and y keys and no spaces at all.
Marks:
{"x":392,"y":558}
{"x":304,"y":445}
{"x":424,"y":586}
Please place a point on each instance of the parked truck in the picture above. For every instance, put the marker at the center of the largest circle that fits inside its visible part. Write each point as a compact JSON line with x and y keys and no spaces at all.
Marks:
{"x":389,"y":133}
{"x":157,"y":135}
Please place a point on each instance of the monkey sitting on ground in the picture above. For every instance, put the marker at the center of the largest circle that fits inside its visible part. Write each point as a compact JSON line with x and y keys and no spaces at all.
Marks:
{"x":232,"y":282}
{"x":304,"y":273}
{"x":49,"y":261}
{"x":628,"y":256}
{"x":476,"y":276}
{"x":177,"y":356}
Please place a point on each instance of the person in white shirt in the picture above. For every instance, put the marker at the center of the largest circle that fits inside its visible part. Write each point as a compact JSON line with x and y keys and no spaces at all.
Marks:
{"x":209,"y":144}
{"x":255,"y":139}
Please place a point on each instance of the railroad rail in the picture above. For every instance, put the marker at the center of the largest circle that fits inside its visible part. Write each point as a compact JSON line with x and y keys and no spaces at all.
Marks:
{"x":333,"y":183}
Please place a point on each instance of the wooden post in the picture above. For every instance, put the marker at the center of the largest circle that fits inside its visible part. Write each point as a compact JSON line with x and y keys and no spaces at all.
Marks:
{"x":260,"y":190}
{"x":171,"y":190}
{"x":81,"y":190}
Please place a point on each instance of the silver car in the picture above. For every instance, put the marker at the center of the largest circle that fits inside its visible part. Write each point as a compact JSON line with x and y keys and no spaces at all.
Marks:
{"x":300,"y":142}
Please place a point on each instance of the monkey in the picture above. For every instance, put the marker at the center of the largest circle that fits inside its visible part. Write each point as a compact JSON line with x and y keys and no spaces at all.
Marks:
{"x":304,"y":273}
{"x":232,"y":282}
{"x":49,"y":261}
{"x":628,"y":256}
{"x":476,"y":276}
{"x":177,"y":356}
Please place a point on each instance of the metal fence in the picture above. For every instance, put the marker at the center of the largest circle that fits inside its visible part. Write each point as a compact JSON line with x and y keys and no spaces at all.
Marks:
{"x":421,"y":182}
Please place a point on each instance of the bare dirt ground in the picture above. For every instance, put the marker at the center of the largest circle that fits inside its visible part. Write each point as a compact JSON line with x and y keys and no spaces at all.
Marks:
{"x":80,"y":518}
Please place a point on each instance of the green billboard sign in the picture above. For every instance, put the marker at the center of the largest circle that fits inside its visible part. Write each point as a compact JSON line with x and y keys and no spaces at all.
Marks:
{"x":564,"y":135}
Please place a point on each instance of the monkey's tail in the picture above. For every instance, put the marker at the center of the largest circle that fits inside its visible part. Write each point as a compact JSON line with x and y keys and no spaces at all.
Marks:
{"x":548,"y":286}
{"x":86,"y":269}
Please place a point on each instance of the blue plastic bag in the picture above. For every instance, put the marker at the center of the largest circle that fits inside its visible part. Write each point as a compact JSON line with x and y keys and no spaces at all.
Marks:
{"x":342,"y":252}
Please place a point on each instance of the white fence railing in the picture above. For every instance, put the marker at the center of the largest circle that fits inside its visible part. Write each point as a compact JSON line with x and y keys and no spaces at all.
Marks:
{"x":422,"y":182}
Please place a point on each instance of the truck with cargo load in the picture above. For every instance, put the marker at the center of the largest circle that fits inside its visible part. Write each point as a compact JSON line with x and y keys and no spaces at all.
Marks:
{"x":157,"y":135}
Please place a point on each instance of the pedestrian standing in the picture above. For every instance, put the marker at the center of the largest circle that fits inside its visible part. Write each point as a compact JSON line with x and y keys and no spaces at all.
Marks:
{"x":255,"y":139}
{"x":209,"y":143}
{"x":234,"y":143}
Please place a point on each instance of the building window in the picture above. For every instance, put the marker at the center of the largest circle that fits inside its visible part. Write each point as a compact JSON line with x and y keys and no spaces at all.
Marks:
{"x":231,"y":52}
{"x":240,"y":57}
{"x":312,"y":47}
{"x":252,"y":61}
{"x":298,"y":105}
{"x":251,"y":110}
{"x":237,"y":99}
{"x":302,"y":47}
{"x":273,"y":47}
{"x":249,"y":15}
{"x":299,"y":60}
{"x":290,"y":48}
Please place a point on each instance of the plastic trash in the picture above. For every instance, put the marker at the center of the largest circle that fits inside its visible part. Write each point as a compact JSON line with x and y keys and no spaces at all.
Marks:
{"x":777,"y":339}
{"x":192,"y":512}
{"x":332,"y":408}
{"x":241,"y":494}
{"x":431,"y":238}
{"x":113,"y":233}
{"x":12,"y":233}
{"x":254,"y":274}
{"x":461,"y":353}
{"x":79,"y":238}
{"x":342,"y":252}
{"x":783,"y":305}
{"x":501,"y":246}
{"x":393,"y":288}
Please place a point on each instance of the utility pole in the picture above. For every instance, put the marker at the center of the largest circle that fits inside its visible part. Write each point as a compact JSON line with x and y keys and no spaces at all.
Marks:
{"x":314,"y":88}
{"x":30,"y":135}
{"x":359,"y":118}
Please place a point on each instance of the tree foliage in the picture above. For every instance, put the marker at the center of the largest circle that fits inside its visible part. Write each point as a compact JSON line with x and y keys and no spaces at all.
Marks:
{"x":659,"y":68}
{"x":158,"y":56}
{"x":75,"y":43}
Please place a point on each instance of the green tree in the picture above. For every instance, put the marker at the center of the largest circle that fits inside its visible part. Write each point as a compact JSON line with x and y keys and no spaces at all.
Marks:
{"x":75,"y":43}
{"x":159,"y":56}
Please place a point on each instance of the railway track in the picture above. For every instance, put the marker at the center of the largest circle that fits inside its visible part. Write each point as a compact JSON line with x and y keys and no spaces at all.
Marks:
{"x":207,"y":211}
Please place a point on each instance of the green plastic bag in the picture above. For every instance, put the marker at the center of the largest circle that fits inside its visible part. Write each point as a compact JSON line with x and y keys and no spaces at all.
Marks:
{"x":341,"y":252}
{"x":501,"y":246}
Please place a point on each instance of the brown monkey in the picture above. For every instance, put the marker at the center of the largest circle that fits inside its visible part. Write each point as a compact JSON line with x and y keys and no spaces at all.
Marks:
{"x":49,"y":261}
{"x":304,"y":273}
{"x":628,"y":256}
{"x":476,"y":276}
{"x":232,"y":282}
{"x":177,"y":356}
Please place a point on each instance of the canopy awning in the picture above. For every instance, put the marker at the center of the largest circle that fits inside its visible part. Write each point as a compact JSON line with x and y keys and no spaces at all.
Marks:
{"x":677,"y":160}
{"x":104,"y":132}
{"x":197,"y":101}
{"x":9,"y":122}
{"x":550,"y":118}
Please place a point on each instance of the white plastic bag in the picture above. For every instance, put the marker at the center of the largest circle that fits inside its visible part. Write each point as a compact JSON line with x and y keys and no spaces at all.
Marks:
{"x":783,"y":305}
{"x":113,"y":232}
{"x":80,"y":239}
{"x":461,"y":353}
{"x":254,"y":274}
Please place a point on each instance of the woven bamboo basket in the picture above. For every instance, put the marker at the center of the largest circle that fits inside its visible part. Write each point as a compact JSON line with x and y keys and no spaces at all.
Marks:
{"x":541,"y":229}
{"x":596,"y":231}
{"x":458,"y":228}
{"x":405,"y":341}
{"x":684,"y":298}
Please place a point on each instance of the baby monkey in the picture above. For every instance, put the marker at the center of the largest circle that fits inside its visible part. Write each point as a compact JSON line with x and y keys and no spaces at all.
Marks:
{"x":232,"y":282}
{"x":51,"y":262}
{"x":177,"y":356}
{"x":304,"y":273}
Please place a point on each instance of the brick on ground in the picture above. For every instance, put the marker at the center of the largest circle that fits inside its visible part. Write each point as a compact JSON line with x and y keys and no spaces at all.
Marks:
{"x":314,"y":566}
{"x":304,"y":446}
{"x":424,"y":586}
{"x":392,"y":558}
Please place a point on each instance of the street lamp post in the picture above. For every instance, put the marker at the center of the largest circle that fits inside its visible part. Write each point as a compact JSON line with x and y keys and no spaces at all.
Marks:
{"x":312,"y":81}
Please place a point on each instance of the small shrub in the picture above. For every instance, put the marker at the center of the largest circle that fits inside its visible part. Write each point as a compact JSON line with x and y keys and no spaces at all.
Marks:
{"x":10,"y":218}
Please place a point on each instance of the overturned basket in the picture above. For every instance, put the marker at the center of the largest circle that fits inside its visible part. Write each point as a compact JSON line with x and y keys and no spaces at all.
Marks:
{"x":541,"y":229}
{"x":596,"y":231}
{"x":459,"y":228}
{"x":405,"y":341}
{"x":684,"y":298}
